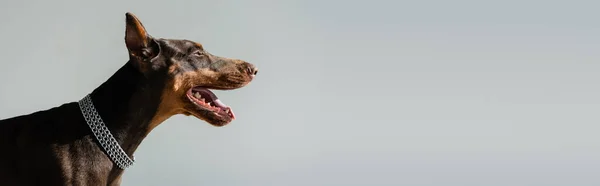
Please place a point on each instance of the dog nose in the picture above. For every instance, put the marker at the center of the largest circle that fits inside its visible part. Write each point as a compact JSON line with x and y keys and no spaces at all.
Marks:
{"x":252,"y":70}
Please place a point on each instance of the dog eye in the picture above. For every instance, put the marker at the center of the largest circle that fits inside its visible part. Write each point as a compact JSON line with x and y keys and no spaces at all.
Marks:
{"x":199,"y":53}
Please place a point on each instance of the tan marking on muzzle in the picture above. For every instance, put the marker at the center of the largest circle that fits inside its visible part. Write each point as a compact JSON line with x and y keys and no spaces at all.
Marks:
{"x":187,"y":80}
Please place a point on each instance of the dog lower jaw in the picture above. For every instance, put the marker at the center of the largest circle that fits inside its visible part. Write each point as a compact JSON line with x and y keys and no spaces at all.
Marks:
{"x":214,"y":122}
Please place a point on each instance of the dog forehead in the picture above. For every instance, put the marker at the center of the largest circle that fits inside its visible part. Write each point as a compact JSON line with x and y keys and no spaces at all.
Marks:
{"x":181,"y":45}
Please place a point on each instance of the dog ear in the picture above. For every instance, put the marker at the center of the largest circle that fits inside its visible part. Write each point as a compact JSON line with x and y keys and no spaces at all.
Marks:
{"x":140,"y":44}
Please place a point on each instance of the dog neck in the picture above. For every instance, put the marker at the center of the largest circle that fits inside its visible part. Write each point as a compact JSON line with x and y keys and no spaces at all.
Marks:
{"x":128,"y":103}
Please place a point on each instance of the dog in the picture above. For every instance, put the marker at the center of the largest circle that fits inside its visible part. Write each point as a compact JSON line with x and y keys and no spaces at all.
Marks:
{"x":92,"y":141}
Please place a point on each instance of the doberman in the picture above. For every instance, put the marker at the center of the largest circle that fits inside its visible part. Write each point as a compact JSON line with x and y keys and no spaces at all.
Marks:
{"x":92,"y":141}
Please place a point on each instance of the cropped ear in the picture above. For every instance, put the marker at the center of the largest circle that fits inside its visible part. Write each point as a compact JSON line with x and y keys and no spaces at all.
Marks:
{"x":140,"y":44}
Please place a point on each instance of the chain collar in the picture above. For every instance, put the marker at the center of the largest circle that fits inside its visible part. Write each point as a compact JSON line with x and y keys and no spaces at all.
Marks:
{"x":103,"y":135}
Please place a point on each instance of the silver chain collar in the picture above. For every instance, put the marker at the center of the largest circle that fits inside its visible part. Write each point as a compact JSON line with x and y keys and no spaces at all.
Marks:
{"x":103,"y":135}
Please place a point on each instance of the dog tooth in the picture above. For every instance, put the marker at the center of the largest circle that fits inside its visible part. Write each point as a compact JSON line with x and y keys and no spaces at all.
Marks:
{"x":202,"y":99}
{"x":197,"y":95}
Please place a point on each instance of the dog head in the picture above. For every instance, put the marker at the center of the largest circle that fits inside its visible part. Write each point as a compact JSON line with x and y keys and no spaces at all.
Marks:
{"x":188,"y":72}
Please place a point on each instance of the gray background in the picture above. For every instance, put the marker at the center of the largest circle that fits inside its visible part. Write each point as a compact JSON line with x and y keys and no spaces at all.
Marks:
{"x":377,"y":93}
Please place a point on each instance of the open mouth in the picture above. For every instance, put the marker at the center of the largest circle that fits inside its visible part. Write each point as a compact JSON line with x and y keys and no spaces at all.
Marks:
{"x":207,"y":100}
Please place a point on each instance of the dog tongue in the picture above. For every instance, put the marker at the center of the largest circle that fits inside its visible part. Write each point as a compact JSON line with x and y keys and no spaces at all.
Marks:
{"x":222,"y":105}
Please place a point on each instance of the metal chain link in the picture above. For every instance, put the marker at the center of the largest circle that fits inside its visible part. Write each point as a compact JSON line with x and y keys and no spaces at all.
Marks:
{"x":103,"y":135}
